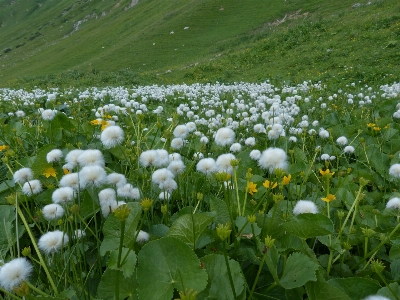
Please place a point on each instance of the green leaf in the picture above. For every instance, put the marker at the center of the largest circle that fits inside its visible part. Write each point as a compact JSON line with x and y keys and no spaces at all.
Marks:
{"x":322,"y":290}
{"x":218,"y":285}
{"x":387,"y":293}
{"x":165,"y":264}
{"x":394,"y":252}
{"x":271,"y":261}
{"x":106,"y":289}
{"x":188,"y":228}
{"x":299,"y":269}
{"x":240,"y":221}
{"x":132,"y":223}
{"x":40,"y":163}
{"x":300,"y":155}
{"x":221,"y":209}
{"x":129,"y":264}
{"x":356,"y":288}
{"x":159,"y":230}
{"x":112,"y":229}
{"x":112,"y":233}
{"x":395,"y":269}
{"x":309,"y":225}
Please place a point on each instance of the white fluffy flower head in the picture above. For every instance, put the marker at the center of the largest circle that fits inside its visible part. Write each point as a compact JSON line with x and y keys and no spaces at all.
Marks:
{"x":23,"y":175}
{"x":52,"y":241}
{"x":32,"y":187}
{"x":393,"y":203}
{"x":305,"y":207}
{"x":112,"y":136}
{"x":54,"y":155}
{"x":224,"y":136}
{"x":394,"y":170}
{"x":91,"y":157}
{"x":13,"y":273}
{"x":273,"y":158}
{"x":52,"y":211}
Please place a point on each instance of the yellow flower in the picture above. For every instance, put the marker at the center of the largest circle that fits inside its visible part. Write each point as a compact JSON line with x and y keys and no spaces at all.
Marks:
{"x":50,"y":172}
{"x":251,"y":188}
{"x":95,"y":122}
{"x":371,"y":125}
{"x":4,"y":147}
{"x":329,"y":198}
{"x":376,"y":128}
{"x":270,"y":185}
{"x":104,"y":124}
{"x":286,"y":179}
{"x":326,"y":173}
{"x":66,"y":171}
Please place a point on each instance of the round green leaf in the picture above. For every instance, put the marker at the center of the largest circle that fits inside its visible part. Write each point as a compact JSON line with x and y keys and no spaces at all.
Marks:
{"x":219,"y":286}
{"x":299,"y":269}
{"x":188,"y":228}
{"x":309,"y":225}
{"x":165,"y":264}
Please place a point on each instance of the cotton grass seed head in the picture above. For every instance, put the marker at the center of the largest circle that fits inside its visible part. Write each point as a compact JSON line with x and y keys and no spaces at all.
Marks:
{"x":92,"y":175}
{"x":52,"y":212}
{"x":70,"y":180}
{"x":112,"y":136}
{"x":342,"y":141}
{"x":48,"y":114}
{"x":224,"y":163}
{"x":116,"y":179}
{"x":393,"y":203}
{"x":91,"y":157}
{"x":23,"y":175}
{"x":181,"y":131}
{"x":224,"y":136}
{"x":376,"y":297}
{"x":63,"y":194}
{"x":52,"y":241}
{"x":348,"y":149}
{"x":176,"y":167}
{"x":142,"y":237}
{"x":394,"y":170}
{"x":305,"y":207}
{"x":54,"y":155}
{"x":161,"y":175}
{"x":273,"y":158}
{"x":149,"y":158}
{"x":13,"y":273}
{"x":127,"y":191}
{"x":206,"y":166}
{"x":72,"y":157}
{"x":32,"y":187}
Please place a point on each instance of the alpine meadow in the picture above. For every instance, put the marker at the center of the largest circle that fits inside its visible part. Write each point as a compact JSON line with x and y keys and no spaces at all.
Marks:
{"x":199,"y":149}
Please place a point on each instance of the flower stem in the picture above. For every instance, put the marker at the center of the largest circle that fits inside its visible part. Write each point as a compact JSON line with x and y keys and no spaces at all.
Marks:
{"x":229,"y":270}
{"x":21,"y":215}
{"x":258,"y":275}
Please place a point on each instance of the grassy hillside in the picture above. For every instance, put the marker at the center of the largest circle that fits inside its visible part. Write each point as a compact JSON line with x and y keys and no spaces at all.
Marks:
{"x":52,"y":42}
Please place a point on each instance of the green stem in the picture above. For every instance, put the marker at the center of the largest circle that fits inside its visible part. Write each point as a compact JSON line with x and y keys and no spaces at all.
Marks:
{"x":388,"y":286}
{"x":375,"y":250}
{"x":9,"y":294}
{"x":33,"y":288}
{"x":121,"y":243}
{"x":237,"y":190}
{"x":258,"y":276}
{"x":21,"y":215}
{"x":229,"y":270}
{"x":350,"y":211}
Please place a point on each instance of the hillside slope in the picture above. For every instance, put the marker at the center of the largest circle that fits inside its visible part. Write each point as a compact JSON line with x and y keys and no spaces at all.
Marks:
{"x":130,"y":41}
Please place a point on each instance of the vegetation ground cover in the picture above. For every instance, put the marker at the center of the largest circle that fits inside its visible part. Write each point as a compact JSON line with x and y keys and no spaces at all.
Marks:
{"x":260,"y":190}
